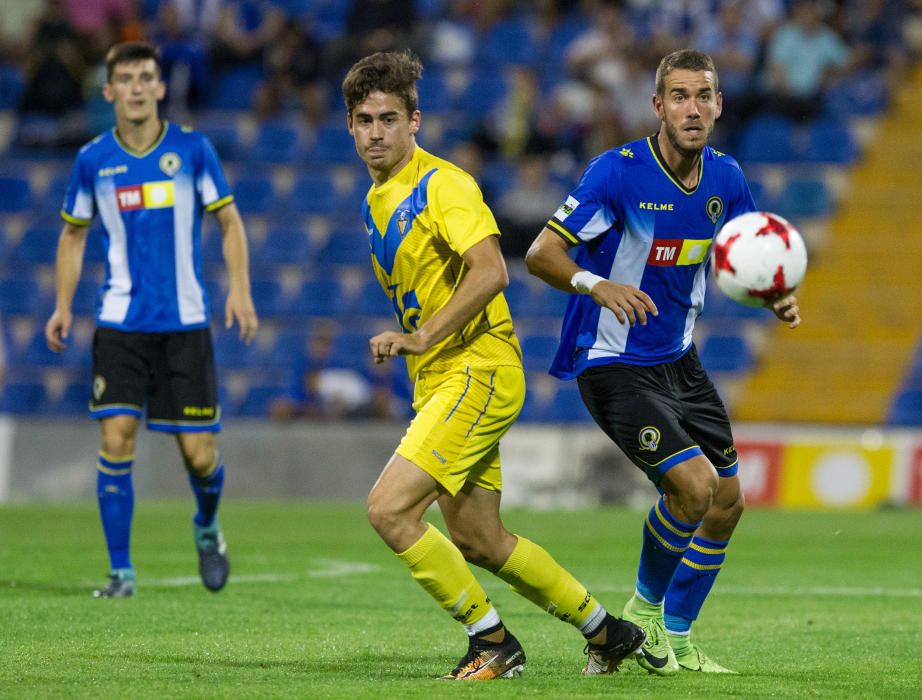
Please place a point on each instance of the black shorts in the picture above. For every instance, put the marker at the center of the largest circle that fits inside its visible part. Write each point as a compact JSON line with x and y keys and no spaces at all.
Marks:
{"x":661,"y":415}
{"x":172,"y":373}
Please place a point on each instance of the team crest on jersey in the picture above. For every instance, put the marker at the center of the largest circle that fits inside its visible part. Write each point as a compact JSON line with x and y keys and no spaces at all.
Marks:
{"x":649,"y":438}
{"x":402,"y":220}
{"x":566,"y":208}
{"x":714,"y":207}
{"x":170,"y":163}
{"x":99,"y":386}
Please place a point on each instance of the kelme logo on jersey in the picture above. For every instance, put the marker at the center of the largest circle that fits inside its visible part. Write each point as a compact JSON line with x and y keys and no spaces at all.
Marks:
{"x":649,"y":438}
{"x":714,"y":207}
{"x":170,"y":163}
{"x":669,"y":252}
{"x":149,"y":195}
{"x":566,"y":208}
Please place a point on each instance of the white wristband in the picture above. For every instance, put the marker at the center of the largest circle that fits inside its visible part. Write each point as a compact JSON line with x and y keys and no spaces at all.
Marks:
{"x":583,"y":281}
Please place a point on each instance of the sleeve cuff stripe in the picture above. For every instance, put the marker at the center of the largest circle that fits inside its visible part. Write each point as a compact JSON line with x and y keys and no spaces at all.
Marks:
{"x":74,"y":220}
{"x":220,"y":203}
{"x":561,"y":231}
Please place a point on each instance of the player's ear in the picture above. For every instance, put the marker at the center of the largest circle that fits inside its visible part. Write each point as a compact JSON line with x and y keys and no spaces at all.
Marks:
{"x":107,"y":92}
{"x":720,"y":105}
{"x":658,"y":106}
{"x":415,"y":121}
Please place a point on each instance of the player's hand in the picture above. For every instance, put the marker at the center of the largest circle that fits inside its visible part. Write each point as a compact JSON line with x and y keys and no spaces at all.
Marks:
{"x":391,"y":344}
{"x":787,"y":310}
{"x":240,"y":307}
{"x":628,"y":303}
{"x":58,"y":329}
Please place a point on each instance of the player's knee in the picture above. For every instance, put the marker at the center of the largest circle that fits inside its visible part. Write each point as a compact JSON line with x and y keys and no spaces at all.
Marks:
{"x":694,"y":501}
{"x":201,"y":461}
{"x":383,"y":520}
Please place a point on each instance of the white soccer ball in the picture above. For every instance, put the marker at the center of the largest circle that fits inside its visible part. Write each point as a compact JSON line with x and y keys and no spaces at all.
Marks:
{"x":758,"y":258}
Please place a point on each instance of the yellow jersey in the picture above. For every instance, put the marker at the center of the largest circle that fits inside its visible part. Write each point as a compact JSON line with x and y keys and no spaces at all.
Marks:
{"x":419,"y":224}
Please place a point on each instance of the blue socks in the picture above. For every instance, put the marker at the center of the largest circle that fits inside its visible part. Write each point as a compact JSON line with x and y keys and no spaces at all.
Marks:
{"x":665,"y":541}
{"x":692,"y":582}
{"x":115,"y":493}
{"x":207,"y":490}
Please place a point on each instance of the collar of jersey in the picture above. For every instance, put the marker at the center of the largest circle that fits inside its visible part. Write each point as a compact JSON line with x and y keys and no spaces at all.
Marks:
{"x":141,"y":154}
{"x":654,"y":149}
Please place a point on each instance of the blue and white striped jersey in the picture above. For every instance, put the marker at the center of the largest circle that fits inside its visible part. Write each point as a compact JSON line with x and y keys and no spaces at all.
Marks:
{"x":636,"y":224}
{"x":150,"y":205}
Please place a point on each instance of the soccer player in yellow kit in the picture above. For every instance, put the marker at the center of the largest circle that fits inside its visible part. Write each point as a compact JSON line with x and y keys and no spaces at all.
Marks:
{"x":435,"y":250}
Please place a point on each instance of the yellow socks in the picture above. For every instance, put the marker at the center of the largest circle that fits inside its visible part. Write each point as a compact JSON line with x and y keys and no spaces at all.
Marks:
{"x":438,"y":566}
{"x":534,"y":574}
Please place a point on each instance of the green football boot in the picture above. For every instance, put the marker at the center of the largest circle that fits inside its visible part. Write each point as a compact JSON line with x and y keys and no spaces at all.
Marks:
{"x":656,"y":655}
{"x":691,"y":658}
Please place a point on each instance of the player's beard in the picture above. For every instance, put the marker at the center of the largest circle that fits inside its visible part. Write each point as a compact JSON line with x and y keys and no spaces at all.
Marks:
{"x":673,"y":135}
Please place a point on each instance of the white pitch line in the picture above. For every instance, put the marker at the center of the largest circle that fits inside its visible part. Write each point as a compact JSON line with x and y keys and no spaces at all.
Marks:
{"x":325,"y":568}
{"x":828,"y":591}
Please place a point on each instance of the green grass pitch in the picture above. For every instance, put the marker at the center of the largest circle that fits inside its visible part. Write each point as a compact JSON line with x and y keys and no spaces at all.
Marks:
{"x":809,"y":605}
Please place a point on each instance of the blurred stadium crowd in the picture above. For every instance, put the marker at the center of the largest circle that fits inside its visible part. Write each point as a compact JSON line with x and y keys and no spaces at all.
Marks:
{"x":518,"y":93}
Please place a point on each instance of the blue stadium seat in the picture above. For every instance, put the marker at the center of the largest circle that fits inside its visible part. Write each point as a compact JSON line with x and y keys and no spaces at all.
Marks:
{"x":830,"y":141}
{"x":85,"y":297}
{"x":213,"y":246}
{"x":284,"y":246}
{"x":564,"y":405}
{"x":351,"y":350}
{"x":288,"y":348}
{"x":312,"y":194}
{"x":718,"y":306}
{"x":232,"y":353}
{"x":20,"y":296}
{"x":53,"y":197}
{"x":485,"y":90}
{"x":509,"y":41}
{"x":258,"y":399}
{"x":254,"y":195}
{"x":95,"y":251}
{"x":372,"y":301}
{"x":37,"y":246}
{"x":726,"y":353}
{"x":225,"y":138}
{"x":345,"y":247}
{"x":275,"y":143}
{"x":15,"y":195}
{"x":906,"y":409}
{"x":804,"y":198}
{"x":333,"y":145}
{"x":74,"y":400}
{"x":268,"y":297}
{"x":24,"y":398}
{"x":863,"y":94}
{"x":538,"y":352}
{"x":12,"y":82}
{"x":768,"y":140}
{"x":535,"y":300}
{"x":317,"y":298}
{"x":234,"y":89}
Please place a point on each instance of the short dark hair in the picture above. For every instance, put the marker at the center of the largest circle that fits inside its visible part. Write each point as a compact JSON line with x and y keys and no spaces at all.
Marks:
{"x":683,"y":59}
{"x":391,"y":72}
{"x":130,"y":52}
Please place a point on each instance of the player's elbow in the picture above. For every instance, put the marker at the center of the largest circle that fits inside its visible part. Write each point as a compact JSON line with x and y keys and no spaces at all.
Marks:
{"x":535,"y":259}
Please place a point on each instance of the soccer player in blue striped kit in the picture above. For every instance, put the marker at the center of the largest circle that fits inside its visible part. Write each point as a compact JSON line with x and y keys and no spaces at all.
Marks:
{"x":149,"y":181}
{"x":644,"y":216}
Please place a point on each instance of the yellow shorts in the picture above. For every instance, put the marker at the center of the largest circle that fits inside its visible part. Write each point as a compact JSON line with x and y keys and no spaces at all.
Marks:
{"x":460,"y":418}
